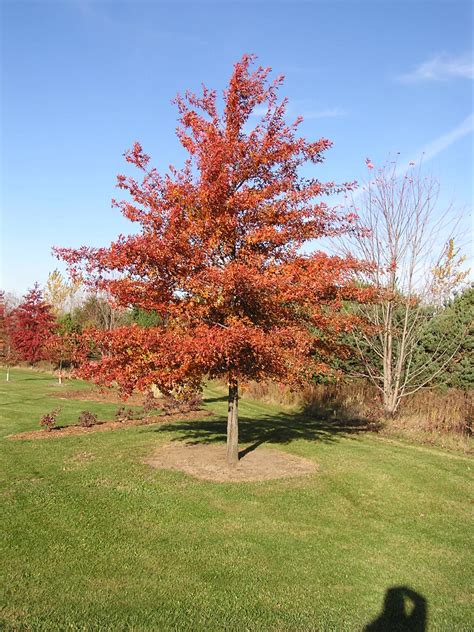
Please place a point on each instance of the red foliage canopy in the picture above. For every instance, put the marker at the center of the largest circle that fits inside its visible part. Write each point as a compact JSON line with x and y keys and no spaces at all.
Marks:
{"x":218,"y":251}
{"x":32,"y":325}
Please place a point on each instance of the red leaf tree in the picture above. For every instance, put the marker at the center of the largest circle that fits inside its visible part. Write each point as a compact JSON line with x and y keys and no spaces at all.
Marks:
{"x":8,"y":355}
{"x":32,"y":326}
{"x":218,"y":253}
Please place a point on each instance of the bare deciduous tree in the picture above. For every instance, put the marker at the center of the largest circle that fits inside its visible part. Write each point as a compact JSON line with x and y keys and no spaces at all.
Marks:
{"x":416,"y":267}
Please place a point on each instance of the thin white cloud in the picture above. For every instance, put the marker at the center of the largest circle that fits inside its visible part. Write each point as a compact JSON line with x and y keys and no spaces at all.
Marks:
{"x":441,"y":68}
{"x":440,"y":144}
{"x":326,"y":113}
{"x":431,"y":149}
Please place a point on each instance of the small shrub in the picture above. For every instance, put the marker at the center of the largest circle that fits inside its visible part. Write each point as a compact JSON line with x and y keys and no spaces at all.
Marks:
{"x":150,"y":403}
{"x":184,"y":403}
{"x":193,"y":401}
{"x":87,"y":419}
{"x":48,"y":421}
{"x":169,"y":405}
{"x":123,"y":414}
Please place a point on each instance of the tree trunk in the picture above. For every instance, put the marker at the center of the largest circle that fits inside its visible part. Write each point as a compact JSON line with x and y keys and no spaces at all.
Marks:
{"x":233,"y":424}
{"x":391,"y":401}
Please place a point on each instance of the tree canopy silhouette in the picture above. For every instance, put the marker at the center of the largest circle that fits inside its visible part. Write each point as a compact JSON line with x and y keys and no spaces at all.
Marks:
{"x":217,"y":254}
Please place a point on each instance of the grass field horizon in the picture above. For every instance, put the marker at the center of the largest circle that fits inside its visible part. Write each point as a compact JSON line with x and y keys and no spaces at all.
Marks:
{"x":95,"y":539}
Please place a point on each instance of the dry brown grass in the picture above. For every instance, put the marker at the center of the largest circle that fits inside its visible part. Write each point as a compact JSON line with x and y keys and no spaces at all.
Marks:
{"x":430,"y":413}
{"x":434,"y":410}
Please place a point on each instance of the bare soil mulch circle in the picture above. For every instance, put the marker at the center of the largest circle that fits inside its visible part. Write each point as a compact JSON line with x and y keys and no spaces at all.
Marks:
{"x":208,"y":462}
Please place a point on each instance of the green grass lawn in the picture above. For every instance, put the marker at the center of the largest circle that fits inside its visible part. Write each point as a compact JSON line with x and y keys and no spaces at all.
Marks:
{"x":93,"y":539}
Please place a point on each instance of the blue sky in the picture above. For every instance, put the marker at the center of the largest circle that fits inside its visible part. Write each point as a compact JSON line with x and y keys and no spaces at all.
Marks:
{"x":84,"y":79}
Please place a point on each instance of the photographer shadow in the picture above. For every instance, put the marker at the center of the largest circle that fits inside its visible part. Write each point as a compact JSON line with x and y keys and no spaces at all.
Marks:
{"x":404,"y":610}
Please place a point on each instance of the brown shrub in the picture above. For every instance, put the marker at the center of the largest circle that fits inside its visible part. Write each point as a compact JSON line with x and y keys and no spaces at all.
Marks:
{"x":48,"y":421}
{"x":87,"y":419}
{"x":123,"y":414}
{"x":183,"y":404}
{"x":150,"y":403}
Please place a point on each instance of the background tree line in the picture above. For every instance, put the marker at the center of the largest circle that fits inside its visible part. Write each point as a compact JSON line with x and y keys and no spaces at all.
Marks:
{"x":32,"y":327}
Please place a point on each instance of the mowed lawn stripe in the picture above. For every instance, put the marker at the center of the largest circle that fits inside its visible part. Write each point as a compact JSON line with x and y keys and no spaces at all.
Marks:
{"x":95,"y":539}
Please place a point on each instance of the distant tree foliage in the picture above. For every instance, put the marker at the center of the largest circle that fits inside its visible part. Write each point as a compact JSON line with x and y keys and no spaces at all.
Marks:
{"x":145,"y":318}
{"x":32,"y":326}
{"x":456,"y":320}
{"x":8,"y":354}
{"x":57,"y":291}
{"x":97,"y":312}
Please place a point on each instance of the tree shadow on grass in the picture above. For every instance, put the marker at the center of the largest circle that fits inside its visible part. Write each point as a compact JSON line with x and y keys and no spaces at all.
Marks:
{"x":280,"y":428}
{"x":404,"y":610}
{"x":37,"y":377}
{"x":210,"y":400}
